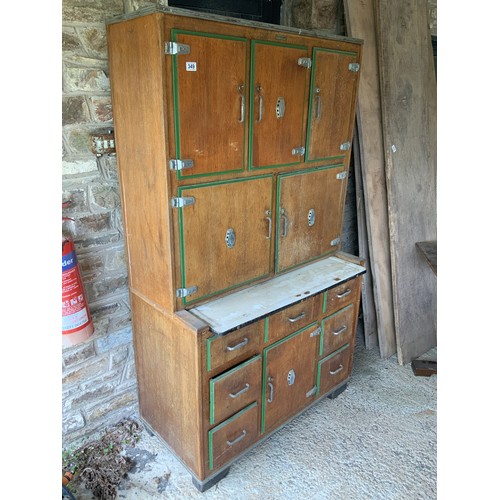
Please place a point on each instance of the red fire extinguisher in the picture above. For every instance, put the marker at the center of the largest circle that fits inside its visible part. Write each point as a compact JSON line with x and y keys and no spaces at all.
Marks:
{"x":77,"y":323}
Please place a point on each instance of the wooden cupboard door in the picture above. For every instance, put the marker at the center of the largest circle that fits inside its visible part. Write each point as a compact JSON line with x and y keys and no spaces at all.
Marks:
{"x":331,"y":104}
{"x":309,"y":215}
{"x":289,"y":376}
{"x":278,"y":86}
{"x":225,"y":235}
{"x":210,"y":103}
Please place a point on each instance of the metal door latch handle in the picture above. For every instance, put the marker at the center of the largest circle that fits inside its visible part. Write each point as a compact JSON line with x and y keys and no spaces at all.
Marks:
{"x":317,"y":91}
{"x":342,"y":329}
{"x":270,"y":222}
{"x":238,"y":346}
{"x":344,"y":294}
{"x":271,"y":390}
{"x":284,"y":231}
{"x":338,"y":370}
{"x":258,"y":89}
{"x":300,"y":316}
{"x":238,"y":439}
{"x":241,"y":88}
{"x":239,"y":393}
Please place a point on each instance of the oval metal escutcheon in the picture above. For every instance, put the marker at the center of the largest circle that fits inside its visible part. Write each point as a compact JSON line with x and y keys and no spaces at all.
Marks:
{"x":291,"y":377}
{"x":311,"y":217}
{"x":280,"y":107}
{"x":230,"y":238}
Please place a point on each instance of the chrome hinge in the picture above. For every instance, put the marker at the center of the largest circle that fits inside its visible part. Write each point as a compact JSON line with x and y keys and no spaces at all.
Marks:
{"x":174,"y":48}
{"x":354,"y":67}
{"x":345,"y":146}
{"x":180,"y":201}
{"x":342,"y":175}
{"x":185,"y":292}
{"x":181,"y":164}
{"x":299,"y":151}
{"x":315,"y":333}
{"x":310,"y":393}
{"x":334,"y":242}
{"x":305,"y":62}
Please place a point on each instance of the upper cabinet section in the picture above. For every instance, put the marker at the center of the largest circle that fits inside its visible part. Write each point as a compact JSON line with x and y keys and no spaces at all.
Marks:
{"x":279,"y":85}
{"x":245,"y":99}
{"x":209,"y":84}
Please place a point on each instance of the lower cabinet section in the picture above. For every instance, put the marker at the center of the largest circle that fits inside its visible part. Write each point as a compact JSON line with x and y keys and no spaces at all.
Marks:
{"x":263,"y":374}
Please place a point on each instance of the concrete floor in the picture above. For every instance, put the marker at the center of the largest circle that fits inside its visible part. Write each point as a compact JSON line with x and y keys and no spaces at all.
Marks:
{"x":376,"y":440}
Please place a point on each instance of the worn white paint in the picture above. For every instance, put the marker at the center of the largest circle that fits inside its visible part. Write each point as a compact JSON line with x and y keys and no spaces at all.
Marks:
{"x":228,"y":312}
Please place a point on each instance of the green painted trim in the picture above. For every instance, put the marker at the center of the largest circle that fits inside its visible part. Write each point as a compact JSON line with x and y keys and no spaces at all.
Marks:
{"x":214,"y":380}
{"x":324,"y":301}
{"x":177,"y":125}
{"x":180,"y":191}
{"x":266,"y":329}
{"x":264,"y":369}
{"x":342,"y":52}
{"x":321,"y":337}
{"x":220,"y":426}
{"x":338,"y":157}
{"x":338,"y":312}
{"x":252,"y":106}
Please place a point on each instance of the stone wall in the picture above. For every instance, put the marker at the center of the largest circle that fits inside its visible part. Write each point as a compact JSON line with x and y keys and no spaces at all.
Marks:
{"x":98,"y":377}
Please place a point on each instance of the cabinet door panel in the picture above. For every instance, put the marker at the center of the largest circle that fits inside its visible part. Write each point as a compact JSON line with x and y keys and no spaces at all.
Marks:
{"x":333,"y":90}
{"x":209,"y":88}
{"x":309,"y":213}
{"x":279,"y":96}
{"x":290,"y":377}
{"x":223,"y":245}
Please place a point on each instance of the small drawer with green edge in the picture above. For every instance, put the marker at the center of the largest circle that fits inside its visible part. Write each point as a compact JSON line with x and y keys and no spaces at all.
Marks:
{"x":337,"y":330}
{"x":235,"y":389}
{"x":224,"y":351}
{"x":233,"y":436}
{"x":342,"y":295}
{"x":334,"y":369}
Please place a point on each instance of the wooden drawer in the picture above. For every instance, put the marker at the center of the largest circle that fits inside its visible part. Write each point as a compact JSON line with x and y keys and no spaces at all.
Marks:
{"x":293,"y":318}
{"x":233,"y":436}
{"x":342,"y":295}
{"x":337,"y":330}
{"x":333,"y":369}
{"x":233,"y":390}
{"x":226,"y":350}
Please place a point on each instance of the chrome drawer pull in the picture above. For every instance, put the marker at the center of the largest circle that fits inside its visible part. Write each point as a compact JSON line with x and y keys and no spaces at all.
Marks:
{"x":300,"y":316}
{"x":338,"y":370}
{"x":244,"y":342}
{"x":342,"y":329}
{"x":344,"y":294}
{"x":271,"y":390}
{"x":238,"y":439}
{"x":270,"y":224}
{"x":245,"y":389}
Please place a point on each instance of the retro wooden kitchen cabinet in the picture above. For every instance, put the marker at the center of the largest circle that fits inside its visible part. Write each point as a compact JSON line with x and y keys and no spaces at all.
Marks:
{"x":233,"y":142}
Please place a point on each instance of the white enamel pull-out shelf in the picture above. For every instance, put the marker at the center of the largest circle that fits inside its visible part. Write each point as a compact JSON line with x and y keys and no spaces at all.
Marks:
{"x":229,"y":312}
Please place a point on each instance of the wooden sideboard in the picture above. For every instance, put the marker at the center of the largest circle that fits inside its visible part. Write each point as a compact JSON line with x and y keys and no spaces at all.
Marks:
{"x":233,"y":145}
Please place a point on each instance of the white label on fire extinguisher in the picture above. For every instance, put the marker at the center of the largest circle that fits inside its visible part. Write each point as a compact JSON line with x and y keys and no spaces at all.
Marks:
{"x":74,"y":309}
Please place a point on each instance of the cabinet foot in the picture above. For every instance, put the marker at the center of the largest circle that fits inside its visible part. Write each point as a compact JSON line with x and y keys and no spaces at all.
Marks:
{"x":337,"y":391}
{"x":208,"y":483}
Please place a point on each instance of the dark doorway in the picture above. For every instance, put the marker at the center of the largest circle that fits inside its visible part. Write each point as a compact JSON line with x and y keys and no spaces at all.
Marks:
{"x":267,"y":11}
